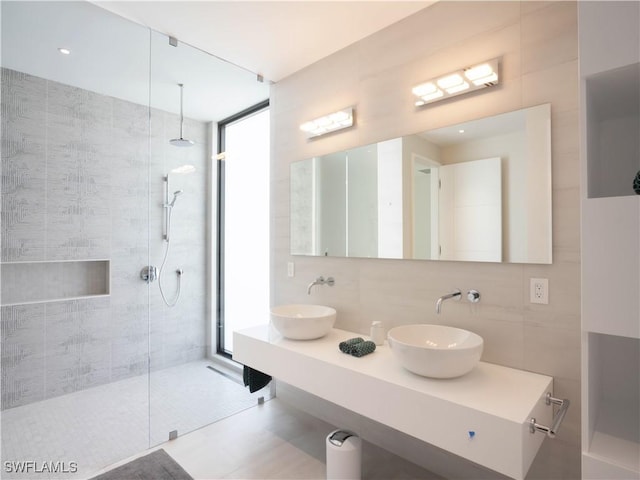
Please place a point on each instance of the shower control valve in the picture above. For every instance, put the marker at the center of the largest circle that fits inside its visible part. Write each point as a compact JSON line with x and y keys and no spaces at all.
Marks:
{"x":149,"y":273}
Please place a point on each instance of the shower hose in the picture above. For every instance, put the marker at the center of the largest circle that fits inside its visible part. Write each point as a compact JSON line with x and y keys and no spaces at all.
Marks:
{"x":164,"y":261}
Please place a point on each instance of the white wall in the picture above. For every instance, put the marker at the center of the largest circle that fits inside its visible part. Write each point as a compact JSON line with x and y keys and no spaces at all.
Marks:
{"x":538,"y":45}
{"x":390,"y":208}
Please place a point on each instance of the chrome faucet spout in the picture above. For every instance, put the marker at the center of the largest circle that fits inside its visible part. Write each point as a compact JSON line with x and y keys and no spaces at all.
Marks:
{"x":456,"y":294}
{"x":317,"y":281}
{"x":320,"y":281}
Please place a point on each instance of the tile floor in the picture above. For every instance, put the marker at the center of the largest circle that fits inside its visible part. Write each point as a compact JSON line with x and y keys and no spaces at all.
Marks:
{"x":102,"y":425}
{"x":107,"y":426}
{"x":274,"y":441}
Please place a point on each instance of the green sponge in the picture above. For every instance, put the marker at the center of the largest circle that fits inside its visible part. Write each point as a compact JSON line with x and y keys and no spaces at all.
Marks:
{"x":348,"y":345}
{"x":363,"y":348}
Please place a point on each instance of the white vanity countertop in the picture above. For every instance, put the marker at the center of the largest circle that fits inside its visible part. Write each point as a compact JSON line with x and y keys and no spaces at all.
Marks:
{"x":482,"y":416}
{"x":493,"y":389}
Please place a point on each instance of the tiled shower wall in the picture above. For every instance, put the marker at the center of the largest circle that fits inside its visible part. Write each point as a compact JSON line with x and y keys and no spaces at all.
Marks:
{"x":82,"y":179}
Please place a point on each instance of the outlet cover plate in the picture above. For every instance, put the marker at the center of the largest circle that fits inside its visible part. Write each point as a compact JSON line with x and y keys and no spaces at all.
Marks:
{"x":539,"y":291}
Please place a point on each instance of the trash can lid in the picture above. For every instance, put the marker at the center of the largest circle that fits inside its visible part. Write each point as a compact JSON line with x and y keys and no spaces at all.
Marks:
{"x":339,"y":436}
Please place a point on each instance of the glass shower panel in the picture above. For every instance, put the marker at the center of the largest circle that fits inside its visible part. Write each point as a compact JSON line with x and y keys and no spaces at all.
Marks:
{"x":74,"y":236}
{"x":187,"y":389}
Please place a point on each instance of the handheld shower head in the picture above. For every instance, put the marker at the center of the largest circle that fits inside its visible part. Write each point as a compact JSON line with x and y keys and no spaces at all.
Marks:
{"x":176,"y":194}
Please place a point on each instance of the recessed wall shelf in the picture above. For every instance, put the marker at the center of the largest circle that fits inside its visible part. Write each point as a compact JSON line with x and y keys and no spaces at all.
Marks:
{"x":613,"y":418}
{"x":613,"y":123}
{"x":609,"y":43}
{"x":496,"y":403}
{"x":48,"y":281}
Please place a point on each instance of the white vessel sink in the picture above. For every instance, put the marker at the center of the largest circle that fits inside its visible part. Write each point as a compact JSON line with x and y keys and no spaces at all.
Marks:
{"x":302,"y":321}
{"x":435,"y":351}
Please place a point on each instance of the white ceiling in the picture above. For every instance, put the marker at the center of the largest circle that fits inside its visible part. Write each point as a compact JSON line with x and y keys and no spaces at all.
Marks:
{"x":123,"y":59}
{"x":274,"y":39}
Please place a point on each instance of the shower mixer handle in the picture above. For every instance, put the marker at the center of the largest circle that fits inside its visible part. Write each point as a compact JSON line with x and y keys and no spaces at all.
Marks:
{"x":149,"y":273}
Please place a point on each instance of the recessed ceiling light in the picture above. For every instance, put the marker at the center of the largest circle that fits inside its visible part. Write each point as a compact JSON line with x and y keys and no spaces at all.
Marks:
{"x":64,"y":51}
{"x":460,"y":131}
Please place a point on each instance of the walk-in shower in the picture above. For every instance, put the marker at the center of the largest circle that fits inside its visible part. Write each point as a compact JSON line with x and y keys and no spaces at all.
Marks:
{"x":95,"y":367}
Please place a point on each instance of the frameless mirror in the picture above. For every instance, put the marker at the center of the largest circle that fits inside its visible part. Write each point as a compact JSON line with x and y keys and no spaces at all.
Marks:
{"x":478,"y":191}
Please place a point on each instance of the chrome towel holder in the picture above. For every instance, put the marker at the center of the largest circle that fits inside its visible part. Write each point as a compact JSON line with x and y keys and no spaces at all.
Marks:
{"x":557,"y":418}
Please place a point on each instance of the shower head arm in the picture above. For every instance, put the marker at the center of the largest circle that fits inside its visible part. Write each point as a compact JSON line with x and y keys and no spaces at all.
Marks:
{"x":181,"y":141}
{"x":181,"y":109}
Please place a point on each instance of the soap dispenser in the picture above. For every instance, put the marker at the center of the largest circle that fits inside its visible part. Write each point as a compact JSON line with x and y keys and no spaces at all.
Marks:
{"x":377,"y":333}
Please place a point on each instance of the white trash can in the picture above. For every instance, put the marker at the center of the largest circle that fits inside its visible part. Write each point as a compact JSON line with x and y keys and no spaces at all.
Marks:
{"x":344,"y":456}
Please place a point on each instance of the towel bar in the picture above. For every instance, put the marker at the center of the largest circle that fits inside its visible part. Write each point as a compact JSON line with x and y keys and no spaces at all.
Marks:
{"x":557,"y":419}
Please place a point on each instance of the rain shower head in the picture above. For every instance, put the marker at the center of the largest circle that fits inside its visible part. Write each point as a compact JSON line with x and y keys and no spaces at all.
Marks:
{"x":181,"y":142}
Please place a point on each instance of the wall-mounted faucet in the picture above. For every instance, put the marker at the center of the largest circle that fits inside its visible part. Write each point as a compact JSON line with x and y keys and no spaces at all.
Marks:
{"x":473,"y":296}
{"x":456,"y":294}
{"x":320,"y":281}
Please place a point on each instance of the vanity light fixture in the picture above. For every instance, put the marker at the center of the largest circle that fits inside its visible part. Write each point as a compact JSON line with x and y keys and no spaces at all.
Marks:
{"x":328,"y":123}
{"x":465,"y":80}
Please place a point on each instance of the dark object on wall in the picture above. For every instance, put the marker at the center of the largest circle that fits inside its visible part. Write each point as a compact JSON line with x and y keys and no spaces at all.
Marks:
{"x":636,"y":183}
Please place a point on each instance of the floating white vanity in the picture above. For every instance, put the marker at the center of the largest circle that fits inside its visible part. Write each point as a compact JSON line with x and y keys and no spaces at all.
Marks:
{"x":483,"y":416}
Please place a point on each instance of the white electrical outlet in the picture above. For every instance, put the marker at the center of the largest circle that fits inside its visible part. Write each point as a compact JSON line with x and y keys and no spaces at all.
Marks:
{"x":291,"y":272}
{"x":539,"y":291}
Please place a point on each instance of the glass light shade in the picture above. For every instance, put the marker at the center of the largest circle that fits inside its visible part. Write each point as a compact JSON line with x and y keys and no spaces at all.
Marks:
{"x":433,"y":96}
{"x":329,"y":123}
{"x":339,"y":116}
{"x":459,"y":82}
{"x":450,"y":81}
{"x":458,"y":88}
{"x":308,"y":126}
{"x":479,"y":71}
{"x":488,"y":79}
{"x":424,"y":89}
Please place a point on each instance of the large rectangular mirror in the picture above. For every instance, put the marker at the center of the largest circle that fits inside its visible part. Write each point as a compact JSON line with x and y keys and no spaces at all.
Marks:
{"x":478,"y":191}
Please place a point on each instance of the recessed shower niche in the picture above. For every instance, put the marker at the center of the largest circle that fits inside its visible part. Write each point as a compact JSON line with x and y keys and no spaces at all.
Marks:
{"x":33,"y":282}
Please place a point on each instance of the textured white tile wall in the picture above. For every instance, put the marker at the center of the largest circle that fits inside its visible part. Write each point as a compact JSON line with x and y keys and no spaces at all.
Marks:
{"x":538,"y":43}
{"x":82,"y":178}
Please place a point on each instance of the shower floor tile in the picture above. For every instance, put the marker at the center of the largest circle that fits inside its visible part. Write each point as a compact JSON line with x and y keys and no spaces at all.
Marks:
{"x":102,"y":425}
